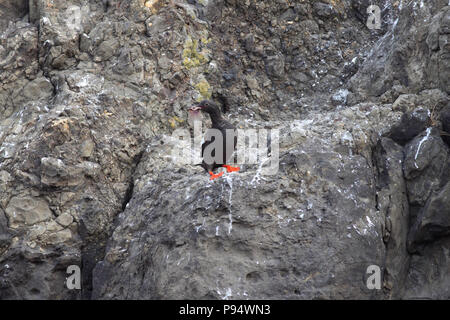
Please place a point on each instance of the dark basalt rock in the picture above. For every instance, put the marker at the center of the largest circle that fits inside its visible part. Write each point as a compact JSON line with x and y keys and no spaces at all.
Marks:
{"x":445,"y":119}
{"x":409,"y":126}
{"x":434,"y":220}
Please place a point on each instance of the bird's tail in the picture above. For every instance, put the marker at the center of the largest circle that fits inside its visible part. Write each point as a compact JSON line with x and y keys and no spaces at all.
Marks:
{"x":201,"y":165}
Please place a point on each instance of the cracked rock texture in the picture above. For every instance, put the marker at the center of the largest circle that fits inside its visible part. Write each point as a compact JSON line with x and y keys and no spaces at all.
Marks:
{"x":91,"y":93}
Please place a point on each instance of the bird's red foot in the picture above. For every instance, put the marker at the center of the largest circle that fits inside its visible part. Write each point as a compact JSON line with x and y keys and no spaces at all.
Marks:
{"x":215,"y":176}
{"x":230,"y":168}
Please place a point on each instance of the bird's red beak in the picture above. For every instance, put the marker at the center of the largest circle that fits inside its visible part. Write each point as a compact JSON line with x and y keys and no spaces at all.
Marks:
{"x":195,"y":108}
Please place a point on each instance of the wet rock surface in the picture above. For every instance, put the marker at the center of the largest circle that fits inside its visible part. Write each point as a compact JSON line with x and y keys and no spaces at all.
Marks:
{"x":92,"y":91}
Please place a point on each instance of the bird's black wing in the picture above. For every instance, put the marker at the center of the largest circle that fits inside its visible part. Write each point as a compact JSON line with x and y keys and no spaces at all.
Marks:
{"x":224,"y":126}
{"x":204,"y":165}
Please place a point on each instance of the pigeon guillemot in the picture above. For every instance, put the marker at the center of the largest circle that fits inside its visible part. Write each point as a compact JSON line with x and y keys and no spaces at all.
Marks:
{"x":218,"y":123}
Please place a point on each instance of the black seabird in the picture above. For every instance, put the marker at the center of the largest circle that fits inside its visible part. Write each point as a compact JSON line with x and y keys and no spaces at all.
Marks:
{"x":219,"y":123}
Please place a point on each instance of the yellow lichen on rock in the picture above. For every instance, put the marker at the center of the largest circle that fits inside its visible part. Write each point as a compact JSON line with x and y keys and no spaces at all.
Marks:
{"x":205,"y":40}
{"x":153,"y":5}
{"x":204,"y":89}
{"x":63,"y":125}
{"x":191,"y":56}
{"x":107,"y":114}
{"x":173,"y":121}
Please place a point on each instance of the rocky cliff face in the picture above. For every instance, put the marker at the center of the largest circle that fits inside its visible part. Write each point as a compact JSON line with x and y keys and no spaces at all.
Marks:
{"x":91,"y":92}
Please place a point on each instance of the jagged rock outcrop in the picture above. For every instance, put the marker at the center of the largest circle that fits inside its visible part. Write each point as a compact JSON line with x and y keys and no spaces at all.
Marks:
{"x":91,"y":92}
{"x":413,"y":54}
{"x":249,"y":235}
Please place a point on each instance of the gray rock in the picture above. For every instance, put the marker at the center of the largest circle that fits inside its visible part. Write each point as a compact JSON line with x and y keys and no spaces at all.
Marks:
{"x":340,"y":97}
{"x":55,"y":173}
{"x":5,"y":234}
{"x":433,"y":222}
{"x":445,"y":119}
{"x":87,"y":148}
{"x":310,"y":26}
{"x":25,"y":211}
{"x":427,"y":280}
{"x":245,"y":223}
{"x":64,"y":219}
{"x":275,"y":66}
{"x":38,"y":89}
{"x":433,"y":32}
{"x":426,"y":161}
{"x":106,"y":49}
{"x":323,"y":9}
{"x":415,"y":68}
{"x":85,"y":43}
{"x":392,"y":202}
{"x":405,"y":102}
{"x":12,"y":10}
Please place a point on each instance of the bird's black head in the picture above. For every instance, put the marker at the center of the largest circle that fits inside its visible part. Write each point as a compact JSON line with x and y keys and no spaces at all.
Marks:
{"x":208,"y":106}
